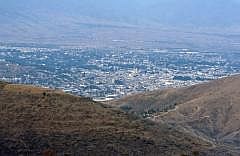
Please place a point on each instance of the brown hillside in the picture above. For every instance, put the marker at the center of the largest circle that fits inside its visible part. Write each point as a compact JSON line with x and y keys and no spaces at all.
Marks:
{"x":210,"y":110}
{"x":36,"y":121}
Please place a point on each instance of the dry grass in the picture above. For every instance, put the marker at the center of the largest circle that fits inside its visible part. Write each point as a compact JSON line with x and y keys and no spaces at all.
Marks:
{"x":28,"y":89}
{"x":211,"y":110}
{"x":33,"y":123}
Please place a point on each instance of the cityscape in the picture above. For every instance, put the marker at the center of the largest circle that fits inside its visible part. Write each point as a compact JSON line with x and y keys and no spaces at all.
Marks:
{"x":111,"y":73}
{"x":128,"y":77}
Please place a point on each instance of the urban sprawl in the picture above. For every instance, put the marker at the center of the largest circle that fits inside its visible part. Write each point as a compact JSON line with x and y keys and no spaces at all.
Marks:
{"x":108,"y":73}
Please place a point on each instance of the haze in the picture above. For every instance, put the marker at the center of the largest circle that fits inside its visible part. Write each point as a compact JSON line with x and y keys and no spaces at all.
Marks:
{"x":44,"y":20}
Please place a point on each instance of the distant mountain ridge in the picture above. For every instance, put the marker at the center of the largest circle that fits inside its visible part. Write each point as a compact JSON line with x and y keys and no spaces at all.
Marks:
{"x":92,"y":22}
{"x":164,"y":12}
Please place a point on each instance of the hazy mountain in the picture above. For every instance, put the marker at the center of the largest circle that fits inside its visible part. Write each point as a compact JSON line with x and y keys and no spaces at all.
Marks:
{"x":210,"y":110}
{"x":75,"y":21}
{"x":196,"y":13}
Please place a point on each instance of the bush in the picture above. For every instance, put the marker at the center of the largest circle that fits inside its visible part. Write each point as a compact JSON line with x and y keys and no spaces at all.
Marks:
{"x":44,"y":93}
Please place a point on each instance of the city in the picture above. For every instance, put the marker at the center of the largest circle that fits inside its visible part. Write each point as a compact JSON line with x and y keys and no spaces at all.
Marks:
{"x":106,"y":74}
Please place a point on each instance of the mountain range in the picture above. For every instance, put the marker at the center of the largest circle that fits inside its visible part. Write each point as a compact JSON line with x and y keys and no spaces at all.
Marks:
{"x":198,"y":24}
{"x":198,"y":13}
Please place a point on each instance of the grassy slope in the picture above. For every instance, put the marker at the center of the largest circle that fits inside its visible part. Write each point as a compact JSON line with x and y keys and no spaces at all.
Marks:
{"x":35,"y":121}
{"x":210,"y":109}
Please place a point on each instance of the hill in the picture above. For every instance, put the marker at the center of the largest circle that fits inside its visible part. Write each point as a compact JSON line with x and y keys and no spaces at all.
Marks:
{"x":40,"y":121}
{"x":210,"y":110}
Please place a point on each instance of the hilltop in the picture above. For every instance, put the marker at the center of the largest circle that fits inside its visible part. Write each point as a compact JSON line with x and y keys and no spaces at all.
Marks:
{"x":210,"y":110}
{"x":40,"y":121}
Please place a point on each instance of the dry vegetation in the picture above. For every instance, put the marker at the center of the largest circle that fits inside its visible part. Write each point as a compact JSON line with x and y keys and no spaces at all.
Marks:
{"x":210,"y":110}
{"x":36,"y":121}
